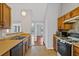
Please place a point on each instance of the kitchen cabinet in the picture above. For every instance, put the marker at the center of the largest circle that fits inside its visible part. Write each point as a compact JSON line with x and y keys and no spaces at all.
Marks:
{"x":54,"y":42}
{"x":67,"y":26}
{"x":5,"y":16}
{"x":6,"y":54}
{"x":75,"y":12}
{"x":17,"y":50}
{"x":75,"y":51}
{"x":0,"y":15}
{"x":67,"y":16}
{"x":60,"y":23}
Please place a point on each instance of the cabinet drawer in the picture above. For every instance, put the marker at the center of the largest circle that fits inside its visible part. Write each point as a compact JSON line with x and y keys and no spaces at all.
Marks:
{"x":75,"y":12}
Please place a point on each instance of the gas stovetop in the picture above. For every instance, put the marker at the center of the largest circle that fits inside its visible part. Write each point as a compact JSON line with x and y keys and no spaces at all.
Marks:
{"x":70,"y":40}
{"x":73,"y":41}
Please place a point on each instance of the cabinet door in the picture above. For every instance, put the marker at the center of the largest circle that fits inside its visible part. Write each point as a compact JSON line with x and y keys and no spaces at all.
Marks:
{"x":75,"y":12}
{"x":0,"y":15}
{"x":67,"y":26}
{"x":61,"y":23}
{"x":54,"y":42}
{"x":67,"y":16}
{"x":6,"y":54}
{"x":75,"y":51}
{"x":6,"y":16}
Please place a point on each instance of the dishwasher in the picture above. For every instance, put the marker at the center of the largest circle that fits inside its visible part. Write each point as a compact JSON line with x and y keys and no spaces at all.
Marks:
{"x":17,"y":50}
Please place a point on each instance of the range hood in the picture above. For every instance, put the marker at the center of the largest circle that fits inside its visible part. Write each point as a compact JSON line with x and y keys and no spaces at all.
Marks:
{"x":72,"y":20}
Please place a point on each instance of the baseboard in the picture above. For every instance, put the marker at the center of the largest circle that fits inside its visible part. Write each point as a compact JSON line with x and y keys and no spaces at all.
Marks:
{"x":50,"y":48}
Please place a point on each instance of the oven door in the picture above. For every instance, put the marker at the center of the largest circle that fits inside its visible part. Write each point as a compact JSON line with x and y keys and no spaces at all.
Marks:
{"x":64,"y":48}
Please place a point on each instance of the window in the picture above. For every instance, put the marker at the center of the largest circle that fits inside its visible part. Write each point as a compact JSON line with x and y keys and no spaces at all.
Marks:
{"x":16,"y":28}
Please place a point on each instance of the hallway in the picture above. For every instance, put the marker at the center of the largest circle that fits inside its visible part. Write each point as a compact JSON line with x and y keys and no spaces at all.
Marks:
{"x":40,"y":51}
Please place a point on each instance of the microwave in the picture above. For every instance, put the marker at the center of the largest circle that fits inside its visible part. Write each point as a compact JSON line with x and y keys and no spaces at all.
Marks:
{"x":62,"y":34}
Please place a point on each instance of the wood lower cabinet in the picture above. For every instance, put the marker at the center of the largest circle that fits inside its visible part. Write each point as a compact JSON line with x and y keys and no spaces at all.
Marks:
{"x":54,"y":42}
{"x":6,"y":54}
{"x":5,"y":16}
{"x":75,"y":51}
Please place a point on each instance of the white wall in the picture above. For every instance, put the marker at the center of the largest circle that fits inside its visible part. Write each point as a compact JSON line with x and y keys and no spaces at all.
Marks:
{"x":51,"y":23}
{"x":35,"y":12}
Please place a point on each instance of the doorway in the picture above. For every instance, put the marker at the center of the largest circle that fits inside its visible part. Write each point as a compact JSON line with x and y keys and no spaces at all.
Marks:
{"x":37,"y":34}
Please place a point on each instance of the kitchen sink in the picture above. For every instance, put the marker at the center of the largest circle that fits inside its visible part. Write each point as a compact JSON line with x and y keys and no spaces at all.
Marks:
{"x":18,"y":37}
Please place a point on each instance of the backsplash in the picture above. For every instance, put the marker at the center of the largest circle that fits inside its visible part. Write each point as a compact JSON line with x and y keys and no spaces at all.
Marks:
{"x":3,"y":33}
{"x":76,"y":27}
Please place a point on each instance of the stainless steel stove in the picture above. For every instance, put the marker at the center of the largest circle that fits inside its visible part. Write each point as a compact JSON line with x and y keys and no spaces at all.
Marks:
{"x":70,"y":39}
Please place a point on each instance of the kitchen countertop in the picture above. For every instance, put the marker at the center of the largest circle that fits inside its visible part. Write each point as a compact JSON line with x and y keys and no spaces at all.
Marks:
{"x":6,"y":45}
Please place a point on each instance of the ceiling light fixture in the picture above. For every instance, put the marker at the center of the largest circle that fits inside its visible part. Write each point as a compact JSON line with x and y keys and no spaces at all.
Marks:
{"x":23,"y":13}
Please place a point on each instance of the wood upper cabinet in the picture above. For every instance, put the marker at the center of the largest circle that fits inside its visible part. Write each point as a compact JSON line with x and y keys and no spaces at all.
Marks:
{"x":68,"y":26}
{"x":66,"y":17}
{"x":0,"y":15}
{"x":75,"y":12}
{"x":62,"y":25}
{"x":5,"y":16}
{"x":61,"y":22}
